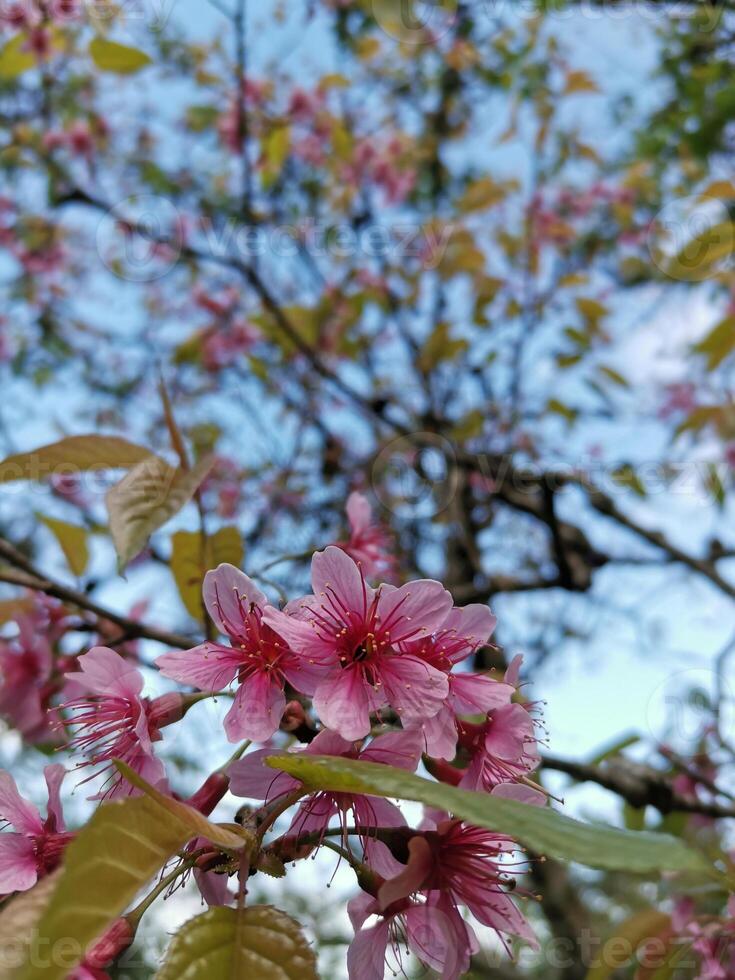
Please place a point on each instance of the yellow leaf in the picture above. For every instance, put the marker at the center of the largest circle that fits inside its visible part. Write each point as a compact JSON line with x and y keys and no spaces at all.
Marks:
{"x":14,"y":60}
{"x":275,"y":152}
{"x":73,"y":542}
{"x":81,"y":454}
{"x":580,"y":81}
{"x":627,"y":938}
{"x":719,"y":189}
{"x":119,"y":58}
{"x":482,"y":194}
{"x":189,"y":562}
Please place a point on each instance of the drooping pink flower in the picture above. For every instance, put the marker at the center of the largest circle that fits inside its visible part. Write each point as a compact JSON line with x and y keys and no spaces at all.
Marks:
{"x":464,"y":630}
{"x":504,"y":749}
{"x":369,"y":544}
{"x":26,"y":665}
{"x":258,"y":657}
{"x":433,"y":931}
{"x":37,"y":846}
{"x":355,"y":638}
{"x":251,"y":778}
{"x":466,"y":865}
{"x":114,"y":721}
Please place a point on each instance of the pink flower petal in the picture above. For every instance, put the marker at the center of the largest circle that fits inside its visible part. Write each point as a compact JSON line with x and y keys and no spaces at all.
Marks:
{"x":228,"y":593}
{"x":366,"y":954}
{"x":334,"y":571}
{"x":359,"y":513}
{"x":513,"y":673}
{"x":257,"y":709}
{"x":414,"y":610}
{"x":212,"y":887}
{"x":253,"y":780}
{"x":520,"y":793}
{"x":475,"y":623}
{"x":438,"y":935}
{"x":105,"y":673}
{"x":360,"y":908}
{"x":330,"y":743}
{"x":509,"y":733}
{"x":500,"y":912}
{"x":440,"y":734}
{"x":299,"y":635}
{"x":415,"y":689}
{"x":313,"y":816}
{"x":373,"y":811}
{"x":400,"y":749}
{"x":412,"y":878}
{"x":473,"y":694}
{"x":341,"y":702}
{"x":17,"y":864}
{"x":19,"y":813}
{"x":54,"y":777}
{"x":209,"y":667}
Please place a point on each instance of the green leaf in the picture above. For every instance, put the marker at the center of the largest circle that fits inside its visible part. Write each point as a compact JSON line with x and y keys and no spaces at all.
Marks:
{"x":73,"y":542}
{"x":77,"y":454}
{"x":189,"y":561}
{"x":14,"y":60}
{"x":615,"y":376}
{"x":146,"y":498}
{"x":626,"y":476}
{"x":544,"y":831}
{"x":257,"y":943}
{"x":111,"y":56}
{"x":198,"y":825}
{"x":18,"y":920}
{"x":121,"y":848}
{"x":559,"y":408}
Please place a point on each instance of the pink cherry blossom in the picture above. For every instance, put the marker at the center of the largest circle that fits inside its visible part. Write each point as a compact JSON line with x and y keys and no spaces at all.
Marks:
{"x":502,"y":749}
{"x":252,"y":778}
{"x":369,"y":544}
{"x":114,"y":721}
{"x":355,"y":638}
{"x":467,"y":866}
{"x":463,"y":631}
{"x":37,"y":846}
{"x":257,"y":657}
{"x":433,"y":931}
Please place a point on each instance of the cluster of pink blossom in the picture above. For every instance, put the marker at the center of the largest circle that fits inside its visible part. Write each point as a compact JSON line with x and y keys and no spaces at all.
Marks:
{"x":388,"y":168}
{"x":80,"y":138}
{"x":229,"y":334}
{"x":350,"y":670}
{"x":32,"y":669}
{"x":30,"y":14}
{"x":711,"y":938}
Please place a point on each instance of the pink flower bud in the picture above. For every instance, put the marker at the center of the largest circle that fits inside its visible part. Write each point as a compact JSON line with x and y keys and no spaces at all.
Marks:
{"x":167,"y":709}
{"x":210,"y":793}
{"x":293,"y":717}
{"x":115,"y":941}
